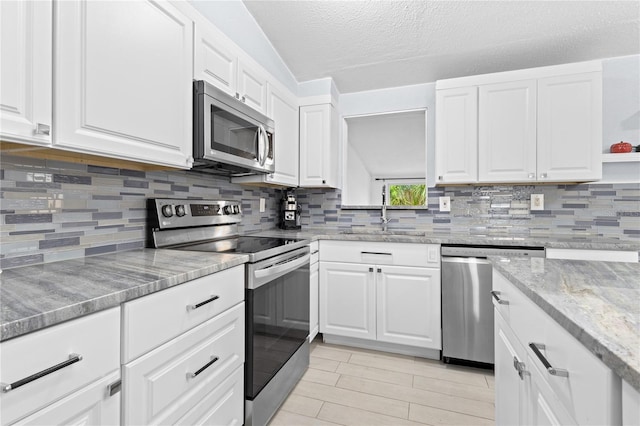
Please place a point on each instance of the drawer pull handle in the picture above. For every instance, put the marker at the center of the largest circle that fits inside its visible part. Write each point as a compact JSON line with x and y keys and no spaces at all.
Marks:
{"x":496,"y":296}
{"x":375,"y":252}
{"x":204,"y":367}
{"x":114,"y":387}
{"x":197,"y":305}
{"x":535,"y":347}
{"x":370,"y":269}
{"x":73,"y":358}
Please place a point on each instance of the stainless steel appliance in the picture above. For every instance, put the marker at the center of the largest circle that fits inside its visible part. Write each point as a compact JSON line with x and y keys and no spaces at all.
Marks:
{"x":290,"y":212}
{"x":276,"y":293}
{"x":229,"y":137}
{"x":467,"y":311}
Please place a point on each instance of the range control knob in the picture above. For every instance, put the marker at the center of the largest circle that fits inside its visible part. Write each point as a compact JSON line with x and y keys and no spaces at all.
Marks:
{"x":180,"y":211}
{"x":167,"y":211}
{"x":227,"y":210}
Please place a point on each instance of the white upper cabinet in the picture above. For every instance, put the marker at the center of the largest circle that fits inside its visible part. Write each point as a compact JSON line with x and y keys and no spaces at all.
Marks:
{"x":219,"y":62}
{"x":25,"y":73}
{"x":570,"y":127}
{"x":457,"y":135}
{"x":282,"y":106}
{"x":319,"y":146}
{"x":535,"y":125}
{"x":507,"y":132}
{"x":123,"y":79}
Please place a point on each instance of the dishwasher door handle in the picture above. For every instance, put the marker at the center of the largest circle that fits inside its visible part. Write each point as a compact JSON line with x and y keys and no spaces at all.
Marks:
{"x":476,"y":260}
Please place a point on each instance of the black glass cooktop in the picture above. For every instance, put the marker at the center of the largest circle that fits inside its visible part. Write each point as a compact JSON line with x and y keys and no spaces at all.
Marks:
{"x":243,"y":245}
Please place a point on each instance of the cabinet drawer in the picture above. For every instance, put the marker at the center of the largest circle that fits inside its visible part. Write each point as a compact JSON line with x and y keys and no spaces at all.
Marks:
{"x":158,"y":388}
{"x":315,"y":253}
{"x":96,"y":338}
{"x":155,"y":319}
{"x":380,"y":253}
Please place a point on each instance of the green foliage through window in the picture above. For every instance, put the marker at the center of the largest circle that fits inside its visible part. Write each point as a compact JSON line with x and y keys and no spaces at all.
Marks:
{"x":408,"y":195}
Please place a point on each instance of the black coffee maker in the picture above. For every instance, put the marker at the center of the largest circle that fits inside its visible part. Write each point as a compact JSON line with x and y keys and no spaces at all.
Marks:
{"x":290,"y":211}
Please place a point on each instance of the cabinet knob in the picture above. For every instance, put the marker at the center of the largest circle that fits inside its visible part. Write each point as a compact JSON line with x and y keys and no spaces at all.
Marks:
{"x":532,"y":176}
{"x":244,"y":99}
{"x":43,"y":129}
{"x":370,"y":269}
{"x":324,"y":181}
{"x":543,"y":175}
{"x":237,"y":95}
{"x":439,"y":177}
{"x":379,"y":270}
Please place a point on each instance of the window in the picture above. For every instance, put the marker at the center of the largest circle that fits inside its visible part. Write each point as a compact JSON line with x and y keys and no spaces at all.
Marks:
{"x":407,"y":194}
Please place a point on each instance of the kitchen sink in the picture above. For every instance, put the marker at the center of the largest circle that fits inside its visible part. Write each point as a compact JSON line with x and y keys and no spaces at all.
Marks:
{"x":366,"y":231}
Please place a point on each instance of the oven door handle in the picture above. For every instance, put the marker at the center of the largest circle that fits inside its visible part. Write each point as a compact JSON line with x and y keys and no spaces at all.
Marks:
{"x":283,"y":268}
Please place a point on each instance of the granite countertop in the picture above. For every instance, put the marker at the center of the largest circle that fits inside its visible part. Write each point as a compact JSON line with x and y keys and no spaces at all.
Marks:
{"x":34,"y":297}
{"x":596,"y":302}
{"x":416,"y":236}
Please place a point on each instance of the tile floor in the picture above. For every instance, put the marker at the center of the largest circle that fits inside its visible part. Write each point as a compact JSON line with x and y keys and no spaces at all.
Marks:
{"x":351,"y":386}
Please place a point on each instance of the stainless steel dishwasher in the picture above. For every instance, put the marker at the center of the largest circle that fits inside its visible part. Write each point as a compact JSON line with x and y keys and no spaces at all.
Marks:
{"x":467,"y":310}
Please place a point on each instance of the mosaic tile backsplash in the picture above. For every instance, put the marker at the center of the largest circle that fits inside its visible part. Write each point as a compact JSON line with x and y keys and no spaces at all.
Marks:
{"x":54,"y":210}
{"x":608,"y":210}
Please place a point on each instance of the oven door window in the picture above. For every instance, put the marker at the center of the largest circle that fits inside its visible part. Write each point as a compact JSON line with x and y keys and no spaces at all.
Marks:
{"x":277,"y":325}
{"x":233,"y":135}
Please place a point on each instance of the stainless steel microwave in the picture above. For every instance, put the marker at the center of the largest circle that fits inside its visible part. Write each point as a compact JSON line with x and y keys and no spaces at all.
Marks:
{"x":229,"y":137}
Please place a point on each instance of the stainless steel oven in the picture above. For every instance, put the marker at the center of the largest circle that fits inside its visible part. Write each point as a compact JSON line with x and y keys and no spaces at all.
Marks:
{"x":229,"y":136}
{"x":276,"y":293}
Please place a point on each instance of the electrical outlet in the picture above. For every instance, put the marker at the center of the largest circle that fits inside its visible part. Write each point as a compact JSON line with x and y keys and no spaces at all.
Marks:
{"x":537,"y":201}
{"x":445,"y":204}
{"x":263,"y":205}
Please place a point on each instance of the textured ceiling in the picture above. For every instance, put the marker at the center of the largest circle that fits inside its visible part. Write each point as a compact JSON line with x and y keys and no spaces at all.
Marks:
{"x":366,"y":45}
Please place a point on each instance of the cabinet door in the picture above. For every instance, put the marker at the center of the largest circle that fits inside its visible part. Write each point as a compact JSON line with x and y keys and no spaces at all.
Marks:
{"x":123,"y":79}
{"x":510,"y":384}
{"x":252,"y":86}
{"x":314,"y":282}
{"x":347,"y":300}
{"x":543,"y":407}
{"x":507,"y":132}
{"x":570,"y":128}
{"x":457,"y":135}
{"x":91,"y":405}
{"x":408,"y":306}
{"x":215,"y":61}
{"x":283,"y":108}
{"x":319,"y":160}
{"x":25,"y":71}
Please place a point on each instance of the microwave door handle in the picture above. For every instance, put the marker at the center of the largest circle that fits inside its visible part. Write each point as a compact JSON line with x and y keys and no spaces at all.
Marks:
{"x":259,"y":143}
{"x":265,"y":148}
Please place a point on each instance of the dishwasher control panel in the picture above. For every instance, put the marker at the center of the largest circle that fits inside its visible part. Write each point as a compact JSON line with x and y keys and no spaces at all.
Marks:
{"x":484,"y":251}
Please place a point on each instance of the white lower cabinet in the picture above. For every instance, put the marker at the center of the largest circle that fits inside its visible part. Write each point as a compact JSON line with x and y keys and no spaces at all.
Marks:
{"x":183,"y":353}
{"x":580,"y":389}
{"x":165,"y":385}
{"x":347,"y":300}
{"x":512,"y":382}
{"x":87,"y":350}
{"x":382,"y":300}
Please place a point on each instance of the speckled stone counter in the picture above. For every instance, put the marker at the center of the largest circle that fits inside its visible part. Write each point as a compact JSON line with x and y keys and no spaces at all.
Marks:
{"x":417,"y":236}
{"x":597,"y":302}
{"x":34,"y":297}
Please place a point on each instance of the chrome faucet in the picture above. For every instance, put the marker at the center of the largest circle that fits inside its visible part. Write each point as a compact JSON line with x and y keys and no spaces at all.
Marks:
{"x":383,"y":215}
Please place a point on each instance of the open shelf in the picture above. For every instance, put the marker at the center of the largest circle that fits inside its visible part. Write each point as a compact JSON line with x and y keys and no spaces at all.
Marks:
{"x":621,"y":158}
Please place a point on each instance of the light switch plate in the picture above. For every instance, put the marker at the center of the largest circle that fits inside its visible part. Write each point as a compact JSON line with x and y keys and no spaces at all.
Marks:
{"x":537,"y":201}
{"x":445,"y":204}
{"x":263,"y":205}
